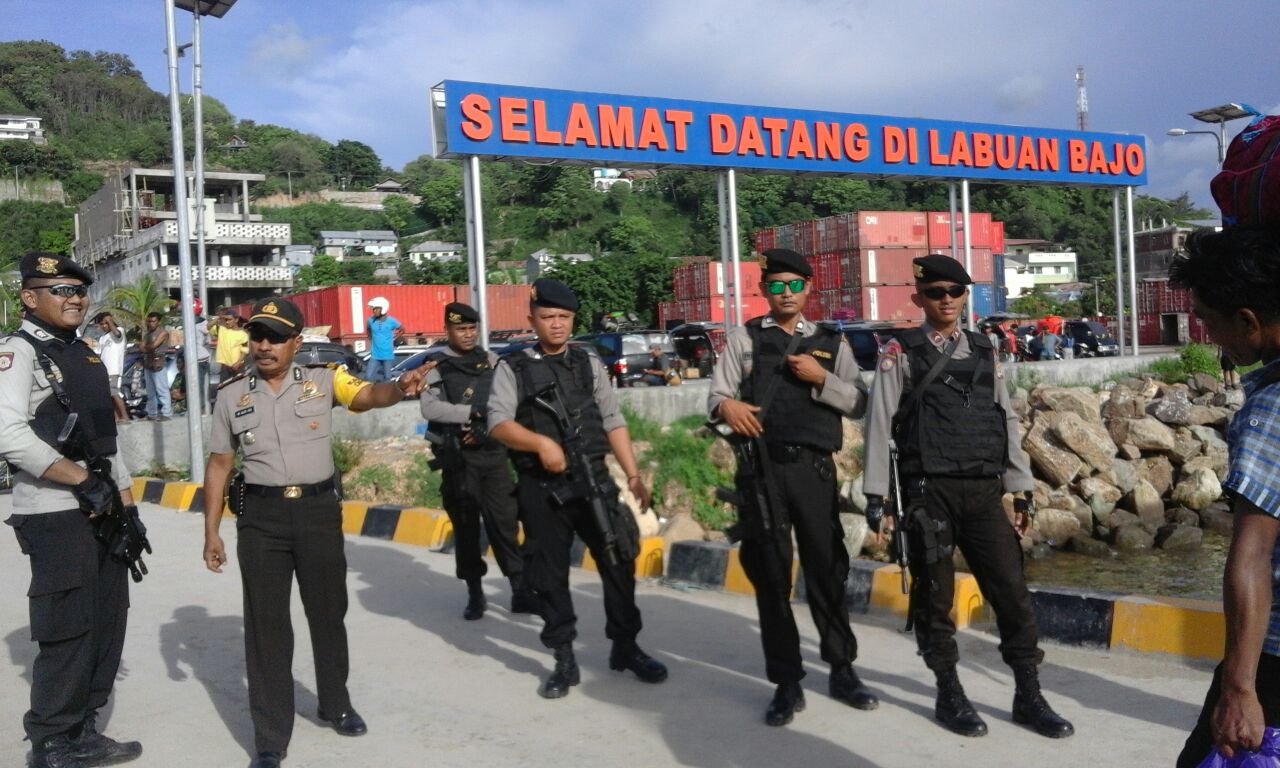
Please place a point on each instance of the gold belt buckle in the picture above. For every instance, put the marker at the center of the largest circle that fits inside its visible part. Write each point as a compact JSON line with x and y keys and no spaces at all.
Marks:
{"x":293,"y":492}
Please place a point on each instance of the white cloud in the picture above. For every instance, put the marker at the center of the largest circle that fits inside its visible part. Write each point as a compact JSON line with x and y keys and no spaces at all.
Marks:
{"x":1021,"y":93}
{"x":283,"y":54}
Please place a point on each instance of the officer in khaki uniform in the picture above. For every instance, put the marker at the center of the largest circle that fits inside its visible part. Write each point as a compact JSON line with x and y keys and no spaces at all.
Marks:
{"x":278,"y":415}
{"x":805,"y":379}
{"x":940,"y":394}
{"x":551,"y":505}
{"x":79,"y":595}
{"x":477,"y":486}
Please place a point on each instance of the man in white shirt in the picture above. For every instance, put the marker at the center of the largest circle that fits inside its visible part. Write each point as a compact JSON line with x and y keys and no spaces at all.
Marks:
{"x":111,"y":348}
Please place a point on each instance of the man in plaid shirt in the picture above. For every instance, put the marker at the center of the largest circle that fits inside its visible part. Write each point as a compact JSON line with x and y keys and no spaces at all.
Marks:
{"x":1234,"y":278}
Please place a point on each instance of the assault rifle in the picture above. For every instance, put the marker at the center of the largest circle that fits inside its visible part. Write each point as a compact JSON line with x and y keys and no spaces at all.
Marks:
{"x":582,"y":484}
{"x":895,"y":507}
{"x":751,"y":497}
{"x":120,"y":527}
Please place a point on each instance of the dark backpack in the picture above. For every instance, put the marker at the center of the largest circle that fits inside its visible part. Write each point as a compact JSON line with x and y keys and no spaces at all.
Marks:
{"x":1248,"y":187}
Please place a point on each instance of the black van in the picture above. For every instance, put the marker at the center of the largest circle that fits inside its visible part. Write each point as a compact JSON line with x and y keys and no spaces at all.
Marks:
{"x":1092,"y":339}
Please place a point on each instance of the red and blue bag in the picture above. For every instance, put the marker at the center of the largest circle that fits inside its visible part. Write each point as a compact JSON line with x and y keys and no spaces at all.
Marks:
{"x":1248,"y":187}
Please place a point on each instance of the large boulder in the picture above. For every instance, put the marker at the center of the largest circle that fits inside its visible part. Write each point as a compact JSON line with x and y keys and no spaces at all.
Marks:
{"x":1149,"y":434}
{"x":1174,"y":408}
{"x":1156,"y":470}
{"x":1215,"y":464}
{"x":1212,"y":441}
{"x":681,"y":527}
{"x":1124,"y":403}
{"x":1145,"y":502}
{"x":1179,"y":538}
{"x":1120,"y":519}
{"x":1232,"y":398}
{"x":1087,"y":439}
{"x":1205,"y":382}
{"x":1130,"y":451}
{"x":1056,"y":526}
{"x":720,"y":455}
{"x":1081,"y":544}
{"x":1052,"y":460}
{"x":1100,"y":495}
{"x":1133,"y":538}
{"x":1185,"y":447}
{"x":1202,"y":413}
{"x":1081,"y":401}
{"x":1216,"y":519}
{"x":855,"y":532}
{"x":1182,"y":516}
{"x":1198,"y":489}
{"x":852,"y":497}
{"x":1125,"y":475}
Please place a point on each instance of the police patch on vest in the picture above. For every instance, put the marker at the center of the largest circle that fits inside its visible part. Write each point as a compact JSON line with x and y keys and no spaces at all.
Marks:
{"x":825,"y":355}
{"x":6,"y":361}
{"x":244,"y":411}
{"x":94,"y":360}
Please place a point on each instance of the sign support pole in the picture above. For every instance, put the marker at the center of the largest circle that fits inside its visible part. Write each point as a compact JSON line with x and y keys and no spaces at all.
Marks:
{"x":475,"y":243}
{"x":1133,"y":273}
{"x":722,"y":210}
{"x":1121,"y":331}
{"x":968,"y":250}
{"x":731,"y":196}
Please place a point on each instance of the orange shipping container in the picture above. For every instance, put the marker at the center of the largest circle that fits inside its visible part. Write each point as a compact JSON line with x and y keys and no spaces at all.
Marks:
{"x":507,"y":305}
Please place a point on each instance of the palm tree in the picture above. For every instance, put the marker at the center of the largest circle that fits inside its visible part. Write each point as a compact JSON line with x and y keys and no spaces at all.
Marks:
{"x":132,"y":303}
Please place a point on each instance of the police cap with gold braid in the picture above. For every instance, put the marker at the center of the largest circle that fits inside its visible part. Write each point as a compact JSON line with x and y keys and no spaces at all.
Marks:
{"x":279,"y":316}
{"x":50,"y":266}
{"x":552,"y":294}
{"x":457,"y":313}
{"x":938,"y":268}
{"x":781,"y":260}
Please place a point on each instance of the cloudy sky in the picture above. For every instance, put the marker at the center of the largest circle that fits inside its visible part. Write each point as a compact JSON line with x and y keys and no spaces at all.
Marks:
{"x":362,"y":69}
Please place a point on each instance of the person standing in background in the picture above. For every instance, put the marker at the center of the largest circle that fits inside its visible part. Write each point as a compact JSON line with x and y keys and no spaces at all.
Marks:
{"x":111,"y":348}
{"x":383,"y":332}
{"x":155,"y":358}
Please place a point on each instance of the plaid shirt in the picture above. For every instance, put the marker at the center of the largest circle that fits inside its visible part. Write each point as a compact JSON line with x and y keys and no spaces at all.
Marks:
{"x":1253,"y":441}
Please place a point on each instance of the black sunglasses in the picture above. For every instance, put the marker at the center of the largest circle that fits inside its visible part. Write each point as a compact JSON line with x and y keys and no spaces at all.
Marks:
{"x":777,"y":287}
{"x":258,"y":333}
{"x":64,"y":290}
{"x":937,"y":292}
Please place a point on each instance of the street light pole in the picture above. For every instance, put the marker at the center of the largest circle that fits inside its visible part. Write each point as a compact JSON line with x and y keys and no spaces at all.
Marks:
{"x":1219,"y":136}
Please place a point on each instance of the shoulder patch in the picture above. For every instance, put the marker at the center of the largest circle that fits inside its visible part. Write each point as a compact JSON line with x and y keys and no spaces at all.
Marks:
{"x":6,"y":361}
{"x":888,"y":362}
{"x":892,"y":349}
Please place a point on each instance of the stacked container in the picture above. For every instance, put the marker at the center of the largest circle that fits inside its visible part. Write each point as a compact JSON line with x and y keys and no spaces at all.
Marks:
{"x":700,"y":288}
{"x":986,"y":256}
{"x":1159,"y":306}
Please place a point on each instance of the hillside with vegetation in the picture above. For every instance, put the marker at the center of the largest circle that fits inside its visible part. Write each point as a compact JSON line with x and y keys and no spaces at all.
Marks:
{"x":100,"y":114}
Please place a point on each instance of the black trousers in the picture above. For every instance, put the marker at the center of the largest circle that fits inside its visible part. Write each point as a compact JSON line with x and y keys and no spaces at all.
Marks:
{"x":482,"y":492}
{"x":278,"y":539}
{"x":1200,"y":742}
{"x":970,"y":515}
{"x":807,"y":489}
{"x":549,"y":530}
{"x":79,"y":600}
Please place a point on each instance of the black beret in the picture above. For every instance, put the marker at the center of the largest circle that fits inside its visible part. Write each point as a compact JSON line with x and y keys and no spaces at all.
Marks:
{"x":457,"y":313}
{"x":52,"y":265}
{"x":552,"y":294}
{"x":278,"y":316}
{"x":783,"y":260}
{"x":937,"y":267}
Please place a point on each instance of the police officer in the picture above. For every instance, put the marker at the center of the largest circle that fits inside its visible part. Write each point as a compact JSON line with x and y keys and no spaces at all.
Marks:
{"x":939,"y":393}
{"x":533,"y":390}
{"x":79,"y":595}
{"x":790,"y":381}
{"x":278,"y":415}
{"x":477,"y":482}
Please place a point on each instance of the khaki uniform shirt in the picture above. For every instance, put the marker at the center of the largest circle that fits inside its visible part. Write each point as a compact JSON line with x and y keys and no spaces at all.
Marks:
{"x":504,"y":397}
{"x":23,"y":388}
{"x":285,"y":436}
{"x":842,"y":390}
{"x":435,"y":403}
{"x":893,"y":381}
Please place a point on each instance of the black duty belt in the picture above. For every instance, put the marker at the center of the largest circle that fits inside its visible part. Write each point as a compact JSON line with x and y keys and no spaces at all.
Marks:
{"x":288,"y":491}
{"x":790,"y":453}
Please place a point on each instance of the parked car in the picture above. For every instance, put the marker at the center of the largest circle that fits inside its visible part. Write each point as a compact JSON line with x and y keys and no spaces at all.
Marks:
{"x":625,"y":354}
{"x":865,"y":338}
{"x":696,"y":345}
{"x":1093,"y":339}
{"x":324,"y":352}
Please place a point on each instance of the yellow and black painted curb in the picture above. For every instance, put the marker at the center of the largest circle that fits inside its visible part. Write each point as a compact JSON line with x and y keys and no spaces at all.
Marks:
{"x":1175,"y":626}
{"x":419,"y":526}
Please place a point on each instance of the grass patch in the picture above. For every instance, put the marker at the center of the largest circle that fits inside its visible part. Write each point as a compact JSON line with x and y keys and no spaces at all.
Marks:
{"x":424,"y":484}
{"x":641,"y":429}
{"x":167,"y":472}
{"x":680,"y":455}
{"x":347,"y":454}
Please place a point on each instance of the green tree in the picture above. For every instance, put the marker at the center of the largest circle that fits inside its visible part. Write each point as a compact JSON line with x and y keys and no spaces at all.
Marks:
{"x":570,"y":201}
{"x":132,"y":303}
{"x":397,"y":211}
{"x":1035,"y":304}
{"x":354,"y":161}
{"x":324,"y":270}
{"x":632,"y":234}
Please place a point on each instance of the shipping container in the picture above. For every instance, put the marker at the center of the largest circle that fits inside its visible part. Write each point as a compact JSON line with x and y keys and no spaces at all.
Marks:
{"x":887,"y":265}
{"x":997,"y":237}
{"x":837,"y":233}
{"x":1156,"y":296}
{"x":708,"y":309}
{"x":692,"y":281}
{"x":764,"y":240}
{"x":982,"y":300}
{"x":940,"y":230}
{"x":826,"y":305}
{"x":506,"y":305}
{"x":889,"y":302}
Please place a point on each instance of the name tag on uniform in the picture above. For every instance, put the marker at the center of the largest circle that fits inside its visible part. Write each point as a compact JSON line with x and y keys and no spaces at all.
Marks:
{"x":244,"y":411}
{"x":822,"y":353}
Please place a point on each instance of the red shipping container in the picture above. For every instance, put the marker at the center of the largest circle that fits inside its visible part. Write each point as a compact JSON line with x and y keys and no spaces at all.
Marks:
{"x":997,"y":237}
{"x":708,"y":279}
{"x":940,"y":230}
{"x":506,"y":305}
{"x":886,"y":265}
{"x":837,"y":233}
{"x":806,"y":239}
{"x":823,"y":305}
{"x":877,"y":229}
{"x":764,"y":240}
{"x":890,"y":302}
{"x":832,"y":271}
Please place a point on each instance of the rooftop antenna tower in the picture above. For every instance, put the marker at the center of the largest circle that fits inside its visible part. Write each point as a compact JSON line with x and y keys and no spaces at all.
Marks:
{"x":1082,"y":101}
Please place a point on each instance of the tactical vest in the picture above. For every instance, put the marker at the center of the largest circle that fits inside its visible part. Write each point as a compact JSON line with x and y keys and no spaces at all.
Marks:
{"x":792,"y":415}
{"x":84,"y":378}
{"x":467,"y":380}
{"x":955,"y":428}
{"x":572,"y":372}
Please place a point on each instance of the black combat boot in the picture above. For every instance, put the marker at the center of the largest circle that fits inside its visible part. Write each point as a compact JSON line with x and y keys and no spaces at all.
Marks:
{"x":953,"y":708}
{"x":523,"y":599}
{"x":475,"y":600}
{"x":1030,"y":708}
{"x":565,"y":675}
{"x":844,"y":685}
{"x":92,"y":748}
{"x":788,"y":699}
{"x":55,"y":752}
{"x":627,"y":655}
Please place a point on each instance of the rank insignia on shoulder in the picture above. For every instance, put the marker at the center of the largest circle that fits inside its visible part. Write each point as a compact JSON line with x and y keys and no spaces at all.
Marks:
{"x":825,"y":355}
{"x":6,"y":361}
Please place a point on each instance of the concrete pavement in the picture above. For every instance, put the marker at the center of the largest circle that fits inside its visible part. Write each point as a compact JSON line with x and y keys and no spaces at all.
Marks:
{"x":439,"y":691}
